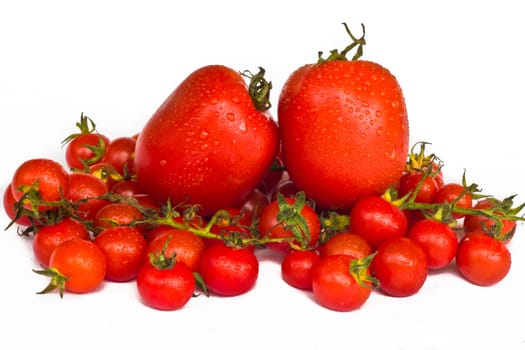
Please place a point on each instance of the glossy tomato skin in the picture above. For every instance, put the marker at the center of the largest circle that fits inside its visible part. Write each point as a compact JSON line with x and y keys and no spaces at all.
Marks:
{"x":297,"y":266}
{"x":125,"y":249}
{"x":228,"y":271}
{"x":344,"y":131}
{"x":473,"y":223}
{"x":9,"y":202}
{"x":450,"y":192}
{"x":482,"y":259}
{"x":347,"y":243}
{"x":206,"y":144}
{"x":334,"y":287}
{"x":85,"y":188}
{"x":82,"y":262}
{"x":400,"y":265}
{"x":165,"y":289}
{"x":85,"y":150}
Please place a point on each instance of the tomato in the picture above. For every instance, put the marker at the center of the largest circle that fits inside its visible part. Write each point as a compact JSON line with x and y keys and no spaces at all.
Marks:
{"x":427,"y":191}
{"x":165,"y":284}
{"x":482,"y":259}
{"x":254,"y":204}
{"x":207,"y":144}
{"x":228,"y":271}
{"x":127,"y":188}
{"x":348,"y":243}
{"x":48,"y":176}
{"x":296,"y":268}
{"x":106,"y":172}
{"x":48,"y":237}
{"x":9,"y":202}
{"x":284,"y":216}
{"x":186,"y":246}
{"x":472,"y":223}
{"x":438,"y":240}
{"x":377,"y":219}
{"x":338,"y":283}
{"x":454,"y":193}
{"x":114,"y":214}
{"x":125,"y":249}
{"x":344,"y":130}
{"x":120,"y":154}
{"x":400,"y":266}
{"x":84,"y":190}
{"x":85,"y":150}
{"x":77,"y":266}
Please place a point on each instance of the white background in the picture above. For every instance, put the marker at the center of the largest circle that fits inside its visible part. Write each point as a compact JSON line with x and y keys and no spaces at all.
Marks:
{"x":460,"y":64}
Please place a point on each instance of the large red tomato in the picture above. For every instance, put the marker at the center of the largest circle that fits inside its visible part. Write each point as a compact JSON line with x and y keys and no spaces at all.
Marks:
{"x":344,"y":130}
{"x":207,"y":144}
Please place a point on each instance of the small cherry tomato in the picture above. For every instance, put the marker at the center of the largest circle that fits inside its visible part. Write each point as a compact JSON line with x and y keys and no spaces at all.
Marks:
{"x":348,"y":243}
{"x":454,"y":193}
{"x":296,"y":268}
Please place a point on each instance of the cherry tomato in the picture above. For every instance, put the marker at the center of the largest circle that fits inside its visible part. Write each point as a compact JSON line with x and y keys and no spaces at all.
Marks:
{"x":337,"y":283}
{"x":409,"y":183}
{"x":85,"y":150}
{"x":482,"y":259}
{"x":120,"y":154}
{"x":48,"y":237}
{"x":454,"y":192}
{"x":228,"y":271}
{"x":348,"y":243}
{"x":114,"y":214}
{"x":377,"y":220}
{"x":472,"y":223}
{"x":438,"y":240}
{"x":85,"y":189}
{"x":400,"y":266}
{"x":125,"y":249}
{"x":296,"y":268}
{"x":9,"y":202}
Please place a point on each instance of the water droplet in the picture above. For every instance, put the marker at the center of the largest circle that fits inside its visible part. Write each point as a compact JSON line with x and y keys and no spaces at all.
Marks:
{"x":230,"y":117}
{"x":204,"y":147}
{"x":242,"y":127}
{"x":235,"y":99}
{"x":163,"y":162}
{"x":203,"y":135}
{"x":215,"y":143}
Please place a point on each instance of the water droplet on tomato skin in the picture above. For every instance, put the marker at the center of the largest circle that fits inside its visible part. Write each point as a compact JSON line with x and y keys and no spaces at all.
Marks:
{"x":230,"y":117}
{"x":204,"y":147}
{"x":203,"y":135}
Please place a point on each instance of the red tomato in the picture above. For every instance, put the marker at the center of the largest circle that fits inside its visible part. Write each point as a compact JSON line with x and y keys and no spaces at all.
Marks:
{"x":125,"y":249}
{"x":279,"y":219}
{"x":425,"y":194}
{"x":84,"y":189}
{"x":9,"y":202}
{"x":482,"y":259}
{"x":76,"y":266}
{"x":120,"y":154}
{"x":400,"y":266}
{"x":50,"y":177}
{"x":472,"y":223}
{"x":347,"y":243}
{"x":165,"y":286}
{"x":48,"y":237}
{"x":128,"y":188}
{"x":185,"y":245}
{"x":344,"y":130}
{"x":228,"y":271}
{"x":450,"y":192}
{"x":107,"y":173}
{"x":296,"y":268}
{"x":114,"y":214}
{"x":337,"y":286}
{"x":438,"y":240}
{"x":377,"y":220}
{"x":85,"y":150}
{"x":207,"y":144}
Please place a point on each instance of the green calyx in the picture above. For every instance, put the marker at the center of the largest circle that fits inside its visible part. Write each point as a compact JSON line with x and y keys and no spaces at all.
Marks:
{"x":259,"y":89}
{"x":336,"y":55}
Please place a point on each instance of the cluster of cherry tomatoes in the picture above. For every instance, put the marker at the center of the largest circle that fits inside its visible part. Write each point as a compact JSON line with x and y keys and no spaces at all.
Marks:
{"x":92,"y":222}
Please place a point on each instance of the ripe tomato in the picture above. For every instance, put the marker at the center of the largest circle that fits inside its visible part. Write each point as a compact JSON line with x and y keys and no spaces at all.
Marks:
{"x":85,"y":150}
{"x":125,"y":249}
{"x":120,"y":153}
{"x":283,"y":215}
{"x":9,"y":202}
{"x":128,"y":188}
{"x":400,"y":266}
{"x":472,"y":223}
{"x":438,"y":240}
{"x":377,"y":219}
{"x":185,"y":245}
{"x":451,"y":192}
{"x":296,"y":268}
{"x":228,"y":271}
{"x":165,"y":284}
{"x":348,"y":243}
{"x":77,"y":266}
{"x":482,"y":259}
{"x":337,"y":283}
{"x":114,"y":214}
{"x":48,"y":237}
{"x":50,"y":178}
{"x":337,"y":119}
{"x":84,"y":188}
{"x":207,"y":144}
{"x":425,"y":194}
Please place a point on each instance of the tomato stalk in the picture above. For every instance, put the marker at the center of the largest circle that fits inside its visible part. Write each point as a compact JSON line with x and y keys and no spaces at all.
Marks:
{"x":259,"y":89}
{"x":357,"y":43}
{"x":359,"y":269}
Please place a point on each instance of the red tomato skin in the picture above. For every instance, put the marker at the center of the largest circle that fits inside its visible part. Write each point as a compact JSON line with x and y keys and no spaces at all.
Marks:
{"x":449,"y":192}
{"x":125,"y":249}
{"x":334,"y":287}
{"x":85,"y":187}
{"x":344,"y":131}
{"x":426,"y":193}
{"x":482,"y":259}
{"x":296,"y":268}
{"x":377,"y":220}
{"x":165,"y":289}
{"x":438,"y":240}
{"x":347,"y":243}
{"x":473,"y":223}
{"x":400,"y":265}
{"x":120,"y":153}
{"x":49,"y":237}
{"x":83,"y":262}
{"x":228,"y":271}
{"x":114,"y":214}
{"x":78,"y":150}
{"x":206,"y":144}
{"x":9,"y":207}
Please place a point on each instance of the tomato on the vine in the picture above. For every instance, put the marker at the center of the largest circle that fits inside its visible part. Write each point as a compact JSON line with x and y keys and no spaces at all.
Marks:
{"x":347,"y":243}
{"x":120,"y":154}
{"x":455,"y":193}
{"x":297,"y":266}
{"x":472,"y":223}
{"x":86,"y":191}
{"x":118,"y":213}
